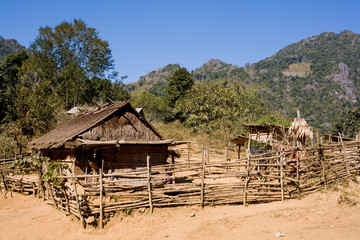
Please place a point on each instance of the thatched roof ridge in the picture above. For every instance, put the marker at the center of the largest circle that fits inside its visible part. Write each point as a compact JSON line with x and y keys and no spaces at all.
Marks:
{"x":80,"y":124}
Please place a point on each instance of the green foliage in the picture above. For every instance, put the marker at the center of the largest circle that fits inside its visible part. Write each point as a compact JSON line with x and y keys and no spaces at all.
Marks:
{"x":153,"y":106}
{"x":179,"y":83}
{"x":30,"y":164}
{"x":35,"y":163}
{"x":274,"y":119}
{"x":9,"y":70}
{"x":128,"y":211}
{"x":213,"y":106}
{"x":349,"y":122}
{"x":53,"y":170}
{"x":68,"y":56}
{"x":35,"y":104}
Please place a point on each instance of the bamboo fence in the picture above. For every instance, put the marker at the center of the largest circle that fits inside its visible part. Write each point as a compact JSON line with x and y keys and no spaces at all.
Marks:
{"x":210,"y":180}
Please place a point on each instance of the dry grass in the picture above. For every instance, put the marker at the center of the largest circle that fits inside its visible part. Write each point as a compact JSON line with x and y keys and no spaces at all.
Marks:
{"x":298,"y":70}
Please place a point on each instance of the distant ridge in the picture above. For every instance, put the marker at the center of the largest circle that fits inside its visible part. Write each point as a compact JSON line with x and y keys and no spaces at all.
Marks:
{"x":319,"y":75}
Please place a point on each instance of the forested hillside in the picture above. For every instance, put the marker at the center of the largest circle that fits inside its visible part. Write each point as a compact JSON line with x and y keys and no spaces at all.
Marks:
{"x":319,"y":75}
{"x":155,"y":82}
{"x":9,"y":46}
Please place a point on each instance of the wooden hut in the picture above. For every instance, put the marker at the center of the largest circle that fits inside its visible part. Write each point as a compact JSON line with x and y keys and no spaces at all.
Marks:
{"x":115,"y":138}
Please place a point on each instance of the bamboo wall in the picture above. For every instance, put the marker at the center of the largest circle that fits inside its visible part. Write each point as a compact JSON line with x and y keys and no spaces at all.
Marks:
{"x":211,"y":179}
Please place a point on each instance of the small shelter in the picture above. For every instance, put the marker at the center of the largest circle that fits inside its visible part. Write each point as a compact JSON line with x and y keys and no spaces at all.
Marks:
{"x":268,"y":135}
{"x":115,"y":138}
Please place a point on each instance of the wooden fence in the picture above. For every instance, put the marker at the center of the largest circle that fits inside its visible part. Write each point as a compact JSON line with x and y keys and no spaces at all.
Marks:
{"x":208,"y":180}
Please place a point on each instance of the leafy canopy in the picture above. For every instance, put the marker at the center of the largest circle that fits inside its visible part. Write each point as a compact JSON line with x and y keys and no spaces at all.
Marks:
{"x":349,"y":122}
{"x":213,"y":106}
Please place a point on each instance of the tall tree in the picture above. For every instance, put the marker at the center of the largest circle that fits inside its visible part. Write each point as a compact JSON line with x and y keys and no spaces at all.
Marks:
{"x":70,"y":55}
{"x":179,"y":83}
{"x":9,"y":70}
{"x":68,"y":65}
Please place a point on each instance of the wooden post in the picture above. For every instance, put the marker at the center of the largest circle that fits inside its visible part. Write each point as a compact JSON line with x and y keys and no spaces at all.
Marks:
{"x":317,"y":137}
{"x":282,"y":176}
{"x":173,"y":174}
{"x":247,"y":179}
{"x":188,"y":153}
{"x":207,"y":154}
{"x":39,"y":189}
{"x":239,"y":148}
{"x":21,"y":185}
{"x":345,"y":157}
{"x":101,"y":198}
{"x":66,"y":199}
{"x":52,"y":194}
{"x":202,"y":197}
{"x":77,"y":203}
{"x":227,"y":159}
{"x":34,"y":189}
{"x":149,"y":182}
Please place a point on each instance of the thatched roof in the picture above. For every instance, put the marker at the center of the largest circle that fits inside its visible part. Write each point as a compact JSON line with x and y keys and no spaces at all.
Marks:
{"x":300,"y":131}
{"x":84,"y":122}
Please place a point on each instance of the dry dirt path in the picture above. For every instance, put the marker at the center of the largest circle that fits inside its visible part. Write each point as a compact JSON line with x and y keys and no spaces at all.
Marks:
{"x":318,"y":216}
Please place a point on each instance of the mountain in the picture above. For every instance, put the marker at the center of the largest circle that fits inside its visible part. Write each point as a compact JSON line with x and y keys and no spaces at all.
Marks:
{"x":9,"y":46}
{"x":216,"y":70}
{"x":319,"y":75}
{"x":155,"y":82}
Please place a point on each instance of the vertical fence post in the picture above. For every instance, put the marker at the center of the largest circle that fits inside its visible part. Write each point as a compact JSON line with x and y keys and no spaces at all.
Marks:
{"x":149,"y":182}
{"x":202,"y":192}
{"x":66,"y":199}
{"x":207,"y":154}
{"x":247,"y":179}
{"x":345,"y":157}
{"x":101,"y":197}
{"x":52,"y":194}
{"x":77,"y":202}
{"x":188,"y":152}
{"x":282,"y":175}
{"x":227,"y":159}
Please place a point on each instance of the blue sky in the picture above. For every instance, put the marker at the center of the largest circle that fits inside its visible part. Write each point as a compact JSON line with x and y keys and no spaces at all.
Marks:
{"x":147,"y":35}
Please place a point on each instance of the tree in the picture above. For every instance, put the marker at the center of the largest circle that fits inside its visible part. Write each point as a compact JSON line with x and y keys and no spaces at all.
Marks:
{"x":9,"y":70}
{"x":68,"y":65}
{"x":213,"y":106}
{"x":69,"y":55}
{"x":179,"y":82}
{"x":349,"y":122}
{"x":153,"y":106}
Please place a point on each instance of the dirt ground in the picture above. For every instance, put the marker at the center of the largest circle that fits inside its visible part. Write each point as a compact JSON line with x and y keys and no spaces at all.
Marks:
{"x":317,"y":216}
